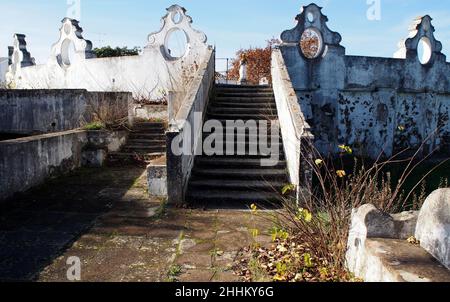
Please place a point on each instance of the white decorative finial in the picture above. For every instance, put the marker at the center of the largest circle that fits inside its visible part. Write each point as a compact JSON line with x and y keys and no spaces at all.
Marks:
{"x":176,"y":19}
{"x":421,"y":30}
{"x":71,"y":34}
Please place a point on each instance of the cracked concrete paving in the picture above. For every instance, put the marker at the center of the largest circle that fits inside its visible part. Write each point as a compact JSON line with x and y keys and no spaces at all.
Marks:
{"x":106,"y":219}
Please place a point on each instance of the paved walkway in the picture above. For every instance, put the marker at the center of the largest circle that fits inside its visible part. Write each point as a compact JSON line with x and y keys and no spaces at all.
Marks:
{"x":106,"y":219}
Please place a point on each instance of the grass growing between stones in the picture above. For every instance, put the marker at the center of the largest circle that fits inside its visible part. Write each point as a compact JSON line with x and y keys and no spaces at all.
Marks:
{"x":174,"y":272}
{"x":161,"y":212}
{"x":94,"y":126}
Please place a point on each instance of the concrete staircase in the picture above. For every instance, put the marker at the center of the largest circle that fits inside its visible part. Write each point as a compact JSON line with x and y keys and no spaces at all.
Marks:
{"x":146,"y":141}
{"x":239,"y":180}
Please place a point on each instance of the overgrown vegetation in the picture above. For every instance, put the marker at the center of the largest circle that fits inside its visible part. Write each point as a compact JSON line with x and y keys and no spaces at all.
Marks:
{"x":173,"y":273}
{"x":105,"y":113}
{"x":258,"y":61}
{"x":108,"y":52}
{"x":161,"y":212}
{"x":94,"y":126}
{"x":310,"y":237}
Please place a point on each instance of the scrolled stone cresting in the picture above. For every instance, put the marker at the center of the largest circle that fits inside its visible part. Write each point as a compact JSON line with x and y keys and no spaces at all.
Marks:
{"x":318,"y":22}
{"x":421,"y":28}
{"x":71,"y":33}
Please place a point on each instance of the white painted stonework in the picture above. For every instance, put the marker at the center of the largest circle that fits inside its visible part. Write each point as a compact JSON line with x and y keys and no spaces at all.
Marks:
{"x":378,"y":249}
{"x":3,"y":69}
{"x":433,"y":226}
{"x":243,"y":73}
{"x":150,"y":75}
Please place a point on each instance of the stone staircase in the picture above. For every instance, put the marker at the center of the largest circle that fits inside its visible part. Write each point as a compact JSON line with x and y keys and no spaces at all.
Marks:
{"x":146,"y":141}
{"x":239,"y":179}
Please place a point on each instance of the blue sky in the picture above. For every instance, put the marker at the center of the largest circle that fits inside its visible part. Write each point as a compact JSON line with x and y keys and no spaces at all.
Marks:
{"x":229,"y":24}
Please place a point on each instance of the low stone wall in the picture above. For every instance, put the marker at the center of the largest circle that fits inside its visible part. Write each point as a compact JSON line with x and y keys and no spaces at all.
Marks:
{"x":45,"y":111}
{"x":433,"y":226}
{"x":150,"y":112}
{"x":28,"y":162}
{"x":157,"y":178}
{"x":186,"y":131}
{"x":379,"y":250}
{"x":99,"y":144}
{"x":294,"y":128}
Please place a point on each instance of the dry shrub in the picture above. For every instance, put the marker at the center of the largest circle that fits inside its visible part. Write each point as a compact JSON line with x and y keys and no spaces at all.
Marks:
{"x":108,"y":109}
{"x":258,"y":63}
{"x":319,"y":222}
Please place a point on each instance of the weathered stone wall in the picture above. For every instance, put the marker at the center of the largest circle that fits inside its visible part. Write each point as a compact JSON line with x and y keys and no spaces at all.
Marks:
{"x":410,"y":246}
{"x":28,"y":162}
{"x":384,"y":104}
{"x":149,"y":76}
{"x":294,"y":128}
{"x":433,"y":226}
{"x":43,"y":111}
{"x":186,"y":131}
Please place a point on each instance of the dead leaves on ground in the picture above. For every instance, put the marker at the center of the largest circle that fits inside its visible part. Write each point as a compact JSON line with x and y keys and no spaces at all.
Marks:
{"x":286,"y":260}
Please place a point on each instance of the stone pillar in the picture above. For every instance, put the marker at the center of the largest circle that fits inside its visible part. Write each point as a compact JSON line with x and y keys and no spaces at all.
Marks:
{"x":174,"y":171}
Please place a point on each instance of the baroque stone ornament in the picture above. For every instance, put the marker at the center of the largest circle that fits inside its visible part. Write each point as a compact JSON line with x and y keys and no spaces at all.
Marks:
{"x":311,"y":18}
{"x":421,"y":31}
{"x":71,"y":36}
{"x":176,"y":19}
{"x":18,"y":54}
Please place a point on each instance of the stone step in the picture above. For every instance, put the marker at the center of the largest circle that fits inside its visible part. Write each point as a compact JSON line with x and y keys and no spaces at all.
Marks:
{"x":249,"y":174}
{"x":224,"y":122}
{"x":255,"y":111}
{"x":235,"y":162}
{"x":247,"y":142}
{"x":244,"y":99}
{"x":130,"y":154}
{"x":228,"y":197}
{"x":268,"y":186}
{"x":241,"y":179}
{"x":252,"y":148}
{"x":230,"y":86}
{"x":238,"y":117}
{"x":150,"y":142}
{"x":245,"y":95}
{"x":150,"y":136}
{"x":146,"y":126}
{"x":132,"y":158}
{"x":143,"y":149}
{"x":244,"y":90}
{"x":267,"y":130}
{"x":243,"y":105}
{"x":248,"y":156}
{"x":153,"y":131}
{"x":246,"y":137}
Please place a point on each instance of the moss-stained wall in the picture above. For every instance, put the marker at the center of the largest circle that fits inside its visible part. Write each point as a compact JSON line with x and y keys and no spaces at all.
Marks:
{"x":372,"y":104}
